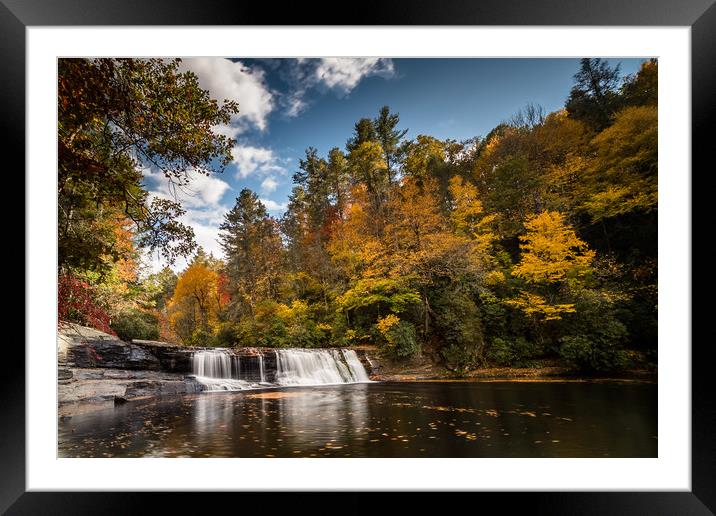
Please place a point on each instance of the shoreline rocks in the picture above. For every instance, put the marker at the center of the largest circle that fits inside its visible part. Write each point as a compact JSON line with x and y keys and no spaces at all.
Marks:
{"x":99,"y":368}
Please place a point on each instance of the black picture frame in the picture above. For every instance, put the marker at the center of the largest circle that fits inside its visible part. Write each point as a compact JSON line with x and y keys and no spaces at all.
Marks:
{"x":700,"y":15}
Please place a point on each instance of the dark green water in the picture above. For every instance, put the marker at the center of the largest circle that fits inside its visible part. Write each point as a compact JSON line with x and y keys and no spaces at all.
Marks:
{"x":421,"y":419}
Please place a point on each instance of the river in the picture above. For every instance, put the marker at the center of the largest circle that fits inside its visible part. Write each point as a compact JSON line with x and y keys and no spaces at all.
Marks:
{"x":382,"y":419}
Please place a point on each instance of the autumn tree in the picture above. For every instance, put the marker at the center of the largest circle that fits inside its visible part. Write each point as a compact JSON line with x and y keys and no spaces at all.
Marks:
{"x":423,"y":155}
{"x":642,"y":88}
{"x":554,"y":260}
{"x":194,"y":307}
{"x":622,"y":177}
{"x":159,"y":287}
{"x":468,"y":215}
{"x":115,"y":117}
{"x":369,"y":170}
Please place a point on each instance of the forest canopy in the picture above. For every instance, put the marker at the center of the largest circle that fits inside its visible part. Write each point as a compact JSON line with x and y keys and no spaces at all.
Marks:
{"x":537,"y":240}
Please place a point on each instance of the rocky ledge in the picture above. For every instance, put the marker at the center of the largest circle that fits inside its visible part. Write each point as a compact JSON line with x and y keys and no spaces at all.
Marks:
{"x":100,"y":368}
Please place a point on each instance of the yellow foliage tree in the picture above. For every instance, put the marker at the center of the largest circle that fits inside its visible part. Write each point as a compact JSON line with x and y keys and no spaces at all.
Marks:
{"x":551,"y":250}
{"x":353,"y":246}
{"x":623,"y":175}
{"x":195,"y":303}
{"x":534,"y":305}
{"x":553,"y":258}
{"x":468,"y":215}
{"x":421,"y":154}
{"x":368,"y":167}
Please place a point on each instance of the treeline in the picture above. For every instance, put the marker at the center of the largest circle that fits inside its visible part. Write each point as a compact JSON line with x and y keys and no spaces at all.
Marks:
{"x":536,"y":240}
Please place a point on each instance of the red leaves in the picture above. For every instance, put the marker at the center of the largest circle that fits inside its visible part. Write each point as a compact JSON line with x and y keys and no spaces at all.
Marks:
{"x":77,"y":302}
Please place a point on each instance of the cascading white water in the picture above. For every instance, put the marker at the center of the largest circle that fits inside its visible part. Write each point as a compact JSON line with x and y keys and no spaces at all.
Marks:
{"x":219,"y":369}
{"x":262,"y":373}
{"x":357,"y":370}
{"x":318,"y":367}
{"x":212,"y":364}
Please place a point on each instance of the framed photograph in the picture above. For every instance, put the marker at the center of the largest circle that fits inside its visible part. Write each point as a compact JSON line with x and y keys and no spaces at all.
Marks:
{"x":434,"y":249}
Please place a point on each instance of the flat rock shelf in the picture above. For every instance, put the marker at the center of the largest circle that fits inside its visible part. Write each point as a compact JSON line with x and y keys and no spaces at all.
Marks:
{"x":97,"y":367}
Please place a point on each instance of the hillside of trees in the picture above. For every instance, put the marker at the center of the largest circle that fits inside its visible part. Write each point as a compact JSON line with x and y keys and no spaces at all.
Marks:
{"x":536,"y":240}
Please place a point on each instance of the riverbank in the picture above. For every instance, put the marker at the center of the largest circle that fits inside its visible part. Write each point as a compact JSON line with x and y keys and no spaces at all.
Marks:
{"x":99,"y":370}
{"x":422,"y":369}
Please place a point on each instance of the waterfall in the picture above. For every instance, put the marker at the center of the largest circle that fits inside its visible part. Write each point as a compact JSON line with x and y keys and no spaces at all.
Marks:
{"x":357,"y":369}
{"x":262,"y":373}
{"x":218,"y":370}
{"x":221,"y":370}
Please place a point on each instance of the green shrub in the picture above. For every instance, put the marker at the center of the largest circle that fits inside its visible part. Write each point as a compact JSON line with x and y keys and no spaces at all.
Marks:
{"x":459,"y":358}
{"x":512,"y":351}
{"x":135,"y":324}
{"x":203,"y":338}
{"x":593,"y":353}
{"x":593,"y":341}
{"x":277,"y":325}
{"x":458,"y":327}
{"x":399,"y":338}
{"x":226,"y":335}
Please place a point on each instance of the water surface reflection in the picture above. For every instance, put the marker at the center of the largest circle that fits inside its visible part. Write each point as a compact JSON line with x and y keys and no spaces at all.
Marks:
{"x":441,"y":419}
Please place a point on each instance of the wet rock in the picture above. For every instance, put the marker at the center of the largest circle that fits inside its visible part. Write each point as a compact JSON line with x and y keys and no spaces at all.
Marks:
{"x":95,"y":366}
{"x":118,"y":386}
{"x":111,"y":354}
{"x":173,"y":358}
{"x":161,"y":388}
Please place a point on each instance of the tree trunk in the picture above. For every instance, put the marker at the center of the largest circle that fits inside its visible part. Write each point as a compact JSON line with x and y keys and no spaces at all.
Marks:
{"x":427,"y":314}
{"x":606,"y":236}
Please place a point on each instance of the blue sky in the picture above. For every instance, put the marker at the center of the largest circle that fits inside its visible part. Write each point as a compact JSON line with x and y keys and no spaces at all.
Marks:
{"x":287,"y":105}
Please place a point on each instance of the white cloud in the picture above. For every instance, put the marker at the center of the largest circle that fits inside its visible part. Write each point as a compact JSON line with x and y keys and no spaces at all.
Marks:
{"x":274,"y":206}
{"x":201,"y":192}
{"x":344,"y":73}
{"x":295,"y":104}
{"x":201,"y":199}
{"x":205,"y":235}
{"x":340,"y":74}
{"x":269,"y":185}
{"x":232,"y":80}
{"x":249,"y":159}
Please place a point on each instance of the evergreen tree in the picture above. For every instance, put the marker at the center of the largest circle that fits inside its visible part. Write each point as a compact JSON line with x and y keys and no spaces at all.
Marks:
{"x":389,"y":138}
{"x":595,"y":95}
{"x":363,"y":132}
{"x":253,"y":249}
